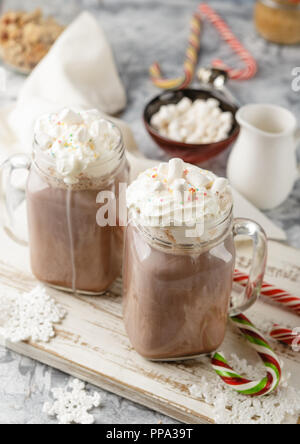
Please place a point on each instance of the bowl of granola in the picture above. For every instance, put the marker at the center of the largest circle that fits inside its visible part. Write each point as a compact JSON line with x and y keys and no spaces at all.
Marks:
{"x":26,"y":37}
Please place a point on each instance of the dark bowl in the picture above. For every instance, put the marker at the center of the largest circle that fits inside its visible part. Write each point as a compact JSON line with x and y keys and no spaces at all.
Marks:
{"x":192,"y":153}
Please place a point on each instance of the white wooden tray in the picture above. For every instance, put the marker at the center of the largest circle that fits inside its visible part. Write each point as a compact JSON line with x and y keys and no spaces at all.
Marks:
{"x":91,"y":343}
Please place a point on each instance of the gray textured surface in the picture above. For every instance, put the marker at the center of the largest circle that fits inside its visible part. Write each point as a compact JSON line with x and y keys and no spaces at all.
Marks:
{"x":141,"y":31}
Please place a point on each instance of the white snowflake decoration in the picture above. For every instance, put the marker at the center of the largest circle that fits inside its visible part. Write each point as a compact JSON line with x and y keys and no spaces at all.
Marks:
{"x":232,"y":408}
{"x":30,"y":316}
{"x":72,"y":404}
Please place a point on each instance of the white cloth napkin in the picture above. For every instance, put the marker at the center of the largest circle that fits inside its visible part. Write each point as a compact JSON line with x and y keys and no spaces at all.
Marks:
{"x":79,"y":71}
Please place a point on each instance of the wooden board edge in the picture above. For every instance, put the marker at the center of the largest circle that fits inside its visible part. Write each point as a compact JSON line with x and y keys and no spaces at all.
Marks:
{"x":107,"y":383}
{"x":285,"y":245}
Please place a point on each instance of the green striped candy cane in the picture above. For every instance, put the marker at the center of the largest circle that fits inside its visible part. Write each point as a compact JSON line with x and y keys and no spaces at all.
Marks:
{"x":270,"y":360}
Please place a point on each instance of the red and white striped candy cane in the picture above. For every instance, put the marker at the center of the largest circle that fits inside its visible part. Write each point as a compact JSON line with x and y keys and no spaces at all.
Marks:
{"x":272,"y":292}
{"x":237,"y":382}
{"x":286,"y":335}
{"x":237,"y":74}
{"x":189,"y":65}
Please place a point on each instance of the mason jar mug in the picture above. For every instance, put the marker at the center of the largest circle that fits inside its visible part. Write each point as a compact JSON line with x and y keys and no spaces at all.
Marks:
{"x":68,"y":248}
{"x":177,"y":297}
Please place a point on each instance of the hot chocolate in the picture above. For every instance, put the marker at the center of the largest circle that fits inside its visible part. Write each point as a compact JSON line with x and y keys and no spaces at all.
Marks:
{"x":77,"y":155}
{"x":177,"y":282}
{"x":176,"y":304}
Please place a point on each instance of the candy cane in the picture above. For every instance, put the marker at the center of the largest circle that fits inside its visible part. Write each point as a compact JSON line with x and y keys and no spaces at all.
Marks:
{"x":251,"y":66}
{"x":285,"y":335}
{"x":260,"y":345}
{"x":272,"y":292}
{"x":189,"y":64}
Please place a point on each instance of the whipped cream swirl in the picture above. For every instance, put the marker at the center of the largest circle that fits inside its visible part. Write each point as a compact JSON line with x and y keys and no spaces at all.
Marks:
{"x":175,"y":195}
{"x":76,"y":141}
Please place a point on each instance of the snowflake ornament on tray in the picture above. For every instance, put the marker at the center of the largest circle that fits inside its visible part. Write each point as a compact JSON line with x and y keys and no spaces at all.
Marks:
{"x":72,"y":404}
{"x":30,"y":316}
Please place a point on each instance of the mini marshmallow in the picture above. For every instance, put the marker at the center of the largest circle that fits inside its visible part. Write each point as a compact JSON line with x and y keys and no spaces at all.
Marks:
{"x":179,"y":184}
{"x":210,"y":136}
{"x":164,"y":115}
{"x":196,"y":136}
{"x":197,"y":180}
{"x":44,"y":140}
{"x":172,"y":108}
{"x":174,"y":126}
{"x":222,"y":135}
{"x":184,"y":105}
{"x":226,"y":127}
{"x":100,"y":128}
{"x":175,"y":135}
{"x":70,"y":117}
{"x":212,"y":127}
{"x":158,"y":186}
{"x":175,"y":169}
{"x":219,"y":185}
{"x":83,"y":135}
{"x":207,"y":139}
{"x":183,"y":133}
{"x":179,"y":187}
{"x":194,"y":139}
{"x":189,"y":124}
{"x":212,"y":103}
{"x":200,"y":108}
{"x":202,"y":114}
{"x":156,"y":121}
{"x":164,"y":132}
{"x":216,"y":113}
{"x":199,"y":103}
{"x":163,"y":169}
{"x":226,"y":117}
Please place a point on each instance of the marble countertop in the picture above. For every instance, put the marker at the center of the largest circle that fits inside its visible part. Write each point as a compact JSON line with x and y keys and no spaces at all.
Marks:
{"x":141,"y":32}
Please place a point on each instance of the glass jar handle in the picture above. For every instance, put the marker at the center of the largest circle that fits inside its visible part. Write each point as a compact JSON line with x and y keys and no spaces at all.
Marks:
{"x":11,"y":197}
{"x":249,"y":228}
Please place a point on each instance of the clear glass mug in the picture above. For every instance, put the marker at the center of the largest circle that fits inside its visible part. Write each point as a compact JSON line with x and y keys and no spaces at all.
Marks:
{"x":177,"y":298}
{"x":68,"y":248}
{"x":278,"y":20}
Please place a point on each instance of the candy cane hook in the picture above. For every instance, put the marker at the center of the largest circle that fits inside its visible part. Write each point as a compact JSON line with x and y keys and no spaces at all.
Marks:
{"x":242,"y":385}
{"x":237,"y":74}
{"x":189,"y":65}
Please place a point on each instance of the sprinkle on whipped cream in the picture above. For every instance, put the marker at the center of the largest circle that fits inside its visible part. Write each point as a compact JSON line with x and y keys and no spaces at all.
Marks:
{"x":76,"y":140}
{"x":168,"y":191}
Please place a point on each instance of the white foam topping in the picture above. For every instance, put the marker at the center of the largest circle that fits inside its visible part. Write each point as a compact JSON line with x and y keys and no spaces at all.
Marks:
{"x":175,"y":195}
{"x":76,"y":141}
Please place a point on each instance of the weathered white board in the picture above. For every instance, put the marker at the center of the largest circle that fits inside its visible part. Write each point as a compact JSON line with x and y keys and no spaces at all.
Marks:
{"x":91,"y":343}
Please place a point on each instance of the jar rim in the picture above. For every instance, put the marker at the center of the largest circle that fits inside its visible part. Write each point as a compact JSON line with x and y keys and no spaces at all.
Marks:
{"x":288,"y":6}
{"x":185,"y":246}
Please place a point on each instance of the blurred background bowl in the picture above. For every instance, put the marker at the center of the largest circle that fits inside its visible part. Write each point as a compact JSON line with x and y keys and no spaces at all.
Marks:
{"x":63,"y":16}
{"x":192,"y":153}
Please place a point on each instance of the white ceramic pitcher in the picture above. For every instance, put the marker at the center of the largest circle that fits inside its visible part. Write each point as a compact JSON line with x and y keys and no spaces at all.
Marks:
{"x":263,"y":163}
